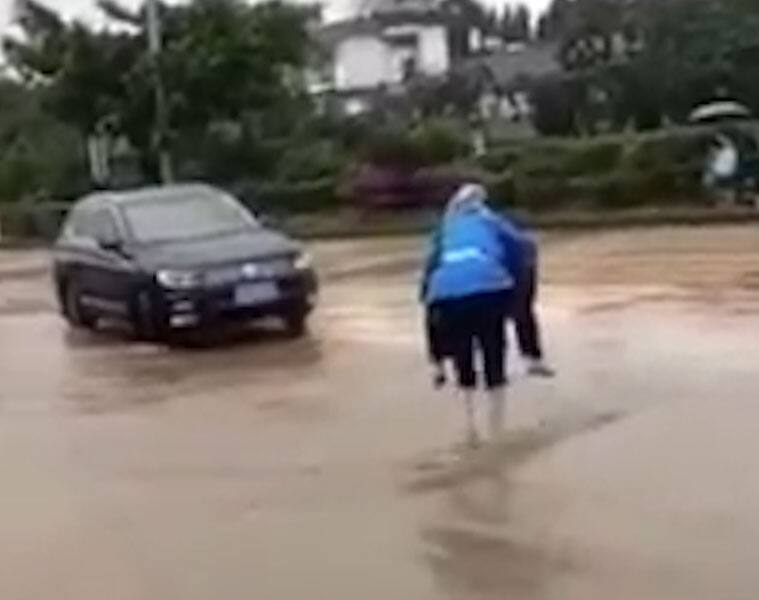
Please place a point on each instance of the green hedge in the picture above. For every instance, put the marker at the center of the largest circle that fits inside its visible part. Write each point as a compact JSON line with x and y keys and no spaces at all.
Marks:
{"x":40,"y":221}
{"x":615,"y":171}
{"x":434,"y":142}
{"x":283,"y":197}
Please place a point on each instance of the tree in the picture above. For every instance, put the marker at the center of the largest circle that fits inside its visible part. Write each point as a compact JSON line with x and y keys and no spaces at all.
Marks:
{"x":522,"y":23}
{"x":39,"y":155}
{"x":553,"y":24}
{"x":221,"y":59}
{"x":656,"y":59}
{"x":554,"y":106}
{"x":516,"y":24}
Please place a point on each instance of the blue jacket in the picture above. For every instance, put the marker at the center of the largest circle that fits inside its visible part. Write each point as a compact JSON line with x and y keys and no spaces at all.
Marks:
{"x":528,"y":241}
{"x":473,"y":253}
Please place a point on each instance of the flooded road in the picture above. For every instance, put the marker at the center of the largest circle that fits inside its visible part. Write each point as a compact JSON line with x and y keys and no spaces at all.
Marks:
{"x":327,"y":468}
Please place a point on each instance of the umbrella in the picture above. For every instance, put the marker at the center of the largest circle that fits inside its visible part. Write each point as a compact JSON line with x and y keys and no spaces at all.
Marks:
{"x":718,"y":111}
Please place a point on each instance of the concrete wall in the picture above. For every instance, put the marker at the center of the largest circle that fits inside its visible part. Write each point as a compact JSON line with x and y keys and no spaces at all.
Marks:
{"x":361,"y":62}
{"x":435,"y":57}
{"x":368,"y":61}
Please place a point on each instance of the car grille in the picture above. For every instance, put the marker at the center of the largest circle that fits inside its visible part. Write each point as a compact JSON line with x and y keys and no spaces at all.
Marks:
{"x":248,"y":271}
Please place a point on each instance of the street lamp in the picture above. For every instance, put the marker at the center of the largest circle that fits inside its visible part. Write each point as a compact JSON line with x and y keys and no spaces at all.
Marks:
{"x":160,"y":133}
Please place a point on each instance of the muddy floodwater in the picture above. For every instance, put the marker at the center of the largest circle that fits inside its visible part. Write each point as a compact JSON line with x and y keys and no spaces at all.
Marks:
{"x":327,"y":468}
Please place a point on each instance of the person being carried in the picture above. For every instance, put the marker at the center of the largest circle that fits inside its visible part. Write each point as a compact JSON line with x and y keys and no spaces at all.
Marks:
{"x":524,"y":313}
{"x":468,"y":288}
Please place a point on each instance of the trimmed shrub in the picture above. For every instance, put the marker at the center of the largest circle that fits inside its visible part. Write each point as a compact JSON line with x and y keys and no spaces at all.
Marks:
{"x":391,"y":148}
{"x":605,"y":172}
{"x":503,"y":189}
{"x":439,"y":142}
{"x":310,"y":162}
{"x":281,"y":197}
{"x":593,"y":157}
{"x":501,"y":158}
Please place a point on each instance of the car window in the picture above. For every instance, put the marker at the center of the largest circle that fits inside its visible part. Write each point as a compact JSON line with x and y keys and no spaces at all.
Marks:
{"x":104,"y":226}
{"x":189,"y":216}
{"x":94,"y":224}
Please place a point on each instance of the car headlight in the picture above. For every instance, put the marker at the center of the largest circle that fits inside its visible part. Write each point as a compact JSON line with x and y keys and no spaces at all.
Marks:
{"x":303,"y":262}
{"x":178,"y":280}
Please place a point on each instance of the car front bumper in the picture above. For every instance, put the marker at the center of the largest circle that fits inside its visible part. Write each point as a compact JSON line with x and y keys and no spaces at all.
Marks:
{"x":197,"y":308}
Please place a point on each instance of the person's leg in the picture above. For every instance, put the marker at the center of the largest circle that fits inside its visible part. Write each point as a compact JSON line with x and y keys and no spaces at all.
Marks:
{"x":461,"y":342}
{"x":467,"y":379}
{"x":491,"y":338}
{"x":525,"y":320}
{"x":436,"y":343}
{"x":472,"y":432}
{"x":528,"y":329}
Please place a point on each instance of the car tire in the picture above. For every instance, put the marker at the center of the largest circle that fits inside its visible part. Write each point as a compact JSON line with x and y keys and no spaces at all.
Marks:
{"x":296,"y":324}
{"x":76,"y":315}
{"x":144,"y":320}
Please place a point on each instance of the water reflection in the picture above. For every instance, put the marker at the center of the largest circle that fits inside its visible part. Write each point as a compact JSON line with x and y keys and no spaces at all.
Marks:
{"x":107,"y":371}
{"x":474,"y":550}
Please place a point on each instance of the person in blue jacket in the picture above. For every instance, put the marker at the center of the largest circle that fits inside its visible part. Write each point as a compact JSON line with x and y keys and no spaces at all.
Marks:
{"x":468,"y":287}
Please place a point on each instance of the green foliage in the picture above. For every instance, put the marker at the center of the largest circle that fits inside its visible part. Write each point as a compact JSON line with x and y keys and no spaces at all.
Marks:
{"x":515,"y":24}
{"x":39,"y":156}
{"x":653,"y":59}
{"x":501,"y":158}
{"x":391,"y":147}
{"x":502,"y":188}
{"x":310,"y":161}
{"x":439,"y":142}
{"x":606,"y":172}
{"x":431,"y":143}
{"x":593,"y":156}
{"x":220,"y":59}
{"x":554,"y":107}
{"x":295,"y":197}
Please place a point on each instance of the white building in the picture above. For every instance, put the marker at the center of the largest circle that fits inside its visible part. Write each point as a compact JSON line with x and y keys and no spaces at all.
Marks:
{"x":377,"y":55}
{"x":383,"y":47}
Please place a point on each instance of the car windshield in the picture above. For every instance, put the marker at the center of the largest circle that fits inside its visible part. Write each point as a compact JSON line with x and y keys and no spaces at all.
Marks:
{"x":185,"y":217}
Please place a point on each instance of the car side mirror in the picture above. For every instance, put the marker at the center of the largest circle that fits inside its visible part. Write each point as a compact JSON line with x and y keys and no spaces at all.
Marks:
{"x":111,"y":244}
{"x":265,"y":220}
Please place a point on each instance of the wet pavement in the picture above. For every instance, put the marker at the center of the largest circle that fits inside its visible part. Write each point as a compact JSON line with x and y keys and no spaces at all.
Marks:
{"x":328,"y":467}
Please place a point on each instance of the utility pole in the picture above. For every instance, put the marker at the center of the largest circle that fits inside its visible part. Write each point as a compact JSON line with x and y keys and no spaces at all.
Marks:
{"x":160,"y":132}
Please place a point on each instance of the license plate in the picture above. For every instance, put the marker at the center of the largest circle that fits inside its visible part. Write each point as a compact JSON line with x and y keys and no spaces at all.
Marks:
{"x":250,"y":294}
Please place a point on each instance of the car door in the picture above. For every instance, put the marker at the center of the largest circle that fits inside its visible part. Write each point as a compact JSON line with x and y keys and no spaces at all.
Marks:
{"x":112,"y":269}
{"x":72,"y":254}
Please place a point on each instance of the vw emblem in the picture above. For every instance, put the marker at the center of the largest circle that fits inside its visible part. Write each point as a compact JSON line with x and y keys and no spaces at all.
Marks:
{"x":250,"y":271}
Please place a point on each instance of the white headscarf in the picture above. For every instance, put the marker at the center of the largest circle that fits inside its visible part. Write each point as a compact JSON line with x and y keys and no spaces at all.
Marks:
{"x":470,"y":197}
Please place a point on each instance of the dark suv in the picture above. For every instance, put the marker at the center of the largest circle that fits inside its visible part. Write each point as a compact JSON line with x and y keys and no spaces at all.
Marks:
{"x":176,"y":258}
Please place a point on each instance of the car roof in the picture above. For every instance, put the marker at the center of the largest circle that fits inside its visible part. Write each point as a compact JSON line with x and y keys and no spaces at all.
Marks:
{"x":166,"y":192}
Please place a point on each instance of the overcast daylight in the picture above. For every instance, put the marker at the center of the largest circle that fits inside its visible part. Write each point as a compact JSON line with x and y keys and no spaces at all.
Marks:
{"x":379,"y":299}
{"x":334,"y":9}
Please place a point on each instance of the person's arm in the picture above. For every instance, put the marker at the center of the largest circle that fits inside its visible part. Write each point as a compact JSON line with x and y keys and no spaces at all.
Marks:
{"x":513,"y":249}
{"x":431,"y":263}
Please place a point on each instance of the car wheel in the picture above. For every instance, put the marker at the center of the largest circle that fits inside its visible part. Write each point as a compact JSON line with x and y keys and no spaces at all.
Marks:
{"x":144,"y":320}
{"x":296,"y":324}
{"x":75,"y":313}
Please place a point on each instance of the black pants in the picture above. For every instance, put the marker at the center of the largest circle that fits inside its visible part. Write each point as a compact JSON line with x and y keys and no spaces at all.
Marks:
{"x":468,"y":328}
{"x":439,"y":346}
{"x":525,"y":320}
